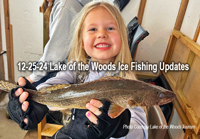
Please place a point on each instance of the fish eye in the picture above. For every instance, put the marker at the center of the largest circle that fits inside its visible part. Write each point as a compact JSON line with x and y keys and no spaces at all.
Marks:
{"x":160,"y":95}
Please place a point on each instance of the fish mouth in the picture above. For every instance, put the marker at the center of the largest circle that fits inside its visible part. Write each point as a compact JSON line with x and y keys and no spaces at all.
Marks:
{"x":169,"y":97}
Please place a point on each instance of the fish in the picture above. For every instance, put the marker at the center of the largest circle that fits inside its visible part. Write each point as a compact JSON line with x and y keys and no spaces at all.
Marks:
{"x":125,"y":93}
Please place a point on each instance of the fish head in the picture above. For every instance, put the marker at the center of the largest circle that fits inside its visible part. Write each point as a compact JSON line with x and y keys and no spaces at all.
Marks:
{"x":165,"y":97}
{"x":159,"y":96}
{"x":155,"y":95}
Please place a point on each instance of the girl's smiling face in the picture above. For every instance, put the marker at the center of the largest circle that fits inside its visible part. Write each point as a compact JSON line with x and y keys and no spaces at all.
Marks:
{"x":101,"y":36}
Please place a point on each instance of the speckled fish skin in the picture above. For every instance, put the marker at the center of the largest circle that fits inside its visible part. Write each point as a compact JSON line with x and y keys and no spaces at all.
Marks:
{"x":123,"y":92}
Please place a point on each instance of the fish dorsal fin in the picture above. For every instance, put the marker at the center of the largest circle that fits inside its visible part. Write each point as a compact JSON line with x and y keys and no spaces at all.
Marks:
{"x":54,"y":87}
{"x":111,"y":78}
{"x":106,"y":78}
{"x":115,"y":110}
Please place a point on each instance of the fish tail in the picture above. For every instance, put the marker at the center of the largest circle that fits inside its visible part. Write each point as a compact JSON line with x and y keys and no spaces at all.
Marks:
{"x":6,"y":86}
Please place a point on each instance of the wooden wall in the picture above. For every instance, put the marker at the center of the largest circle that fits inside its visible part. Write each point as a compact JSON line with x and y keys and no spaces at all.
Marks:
{"x":186,"y":84}
{"x":9,"y":46}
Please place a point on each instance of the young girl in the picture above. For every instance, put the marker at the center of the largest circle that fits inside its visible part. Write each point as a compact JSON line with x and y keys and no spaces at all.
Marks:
{"x":99,"y":36}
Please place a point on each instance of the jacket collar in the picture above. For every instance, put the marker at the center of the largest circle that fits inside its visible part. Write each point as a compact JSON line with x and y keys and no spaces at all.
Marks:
{"x":83,"y":2}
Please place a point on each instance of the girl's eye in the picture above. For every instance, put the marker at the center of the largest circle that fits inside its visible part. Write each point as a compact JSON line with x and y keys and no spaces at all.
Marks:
{"x":93,"y":29}
{"x":110,"y":28}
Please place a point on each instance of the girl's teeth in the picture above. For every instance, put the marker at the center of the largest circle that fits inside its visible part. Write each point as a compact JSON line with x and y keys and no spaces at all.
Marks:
{"x":102,"y":45}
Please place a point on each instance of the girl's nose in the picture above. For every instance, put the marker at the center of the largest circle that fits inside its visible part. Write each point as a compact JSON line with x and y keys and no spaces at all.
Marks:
{"x":102,"y":34}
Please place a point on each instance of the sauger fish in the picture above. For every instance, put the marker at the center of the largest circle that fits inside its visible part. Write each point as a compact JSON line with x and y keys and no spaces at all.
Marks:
{"x":123,"y":92}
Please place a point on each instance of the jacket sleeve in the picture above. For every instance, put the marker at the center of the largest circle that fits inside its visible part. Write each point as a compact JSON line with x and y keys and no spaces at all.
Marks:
{"x":138,"y":128}
{"x":62,"y":77}
{"x":57,"y":48}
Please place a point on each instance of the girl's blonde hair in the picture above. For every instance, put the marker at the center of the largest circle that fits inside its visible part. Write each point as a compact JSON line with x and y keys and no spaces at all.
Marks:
{"x":78,"y":53}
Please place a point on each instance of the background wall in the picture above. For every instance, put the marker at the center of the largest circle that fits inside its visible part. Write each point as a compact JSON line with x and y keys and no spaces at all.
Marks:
{"x":159,"y":21}
{"x":2,"y":20}
{"x":27,"y":24}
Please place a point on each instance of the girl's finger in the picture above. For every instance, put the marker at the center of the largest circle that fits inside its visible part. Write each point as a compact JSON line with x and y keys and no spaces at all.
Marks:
{"x":18,"y":92}
{"x":96,"y":103}
{"x":26,"y":120}
{"x":91,"y":117}
{"x":23,"y":97}
{"x":93,"y":109}
{"x":25,"y":105}
{"x":21,"y":81}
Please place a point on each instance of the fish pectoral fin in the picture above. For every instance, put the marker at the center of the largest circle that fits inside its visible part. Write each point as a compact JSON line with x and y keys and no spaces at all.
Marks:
{"x":115,"y":110}
{"x":66,"y":116}
{"x":131,"y":103}
{"x":66,"y":111}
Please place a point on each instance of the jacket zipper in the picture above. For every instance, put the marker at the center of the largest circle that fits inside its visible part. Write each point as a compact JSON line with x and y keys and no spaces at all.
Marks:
{"x":73,"y":114}
{"x":72,"y":120}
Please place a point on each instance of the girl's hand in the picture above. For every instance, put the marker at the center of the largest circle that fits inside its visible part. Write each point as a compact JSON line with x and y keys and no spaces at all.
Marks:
{"x":22,"y":110}
{"x":22,"y":96}
{"x":101,"y":117}
{"x":94,"y":106}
